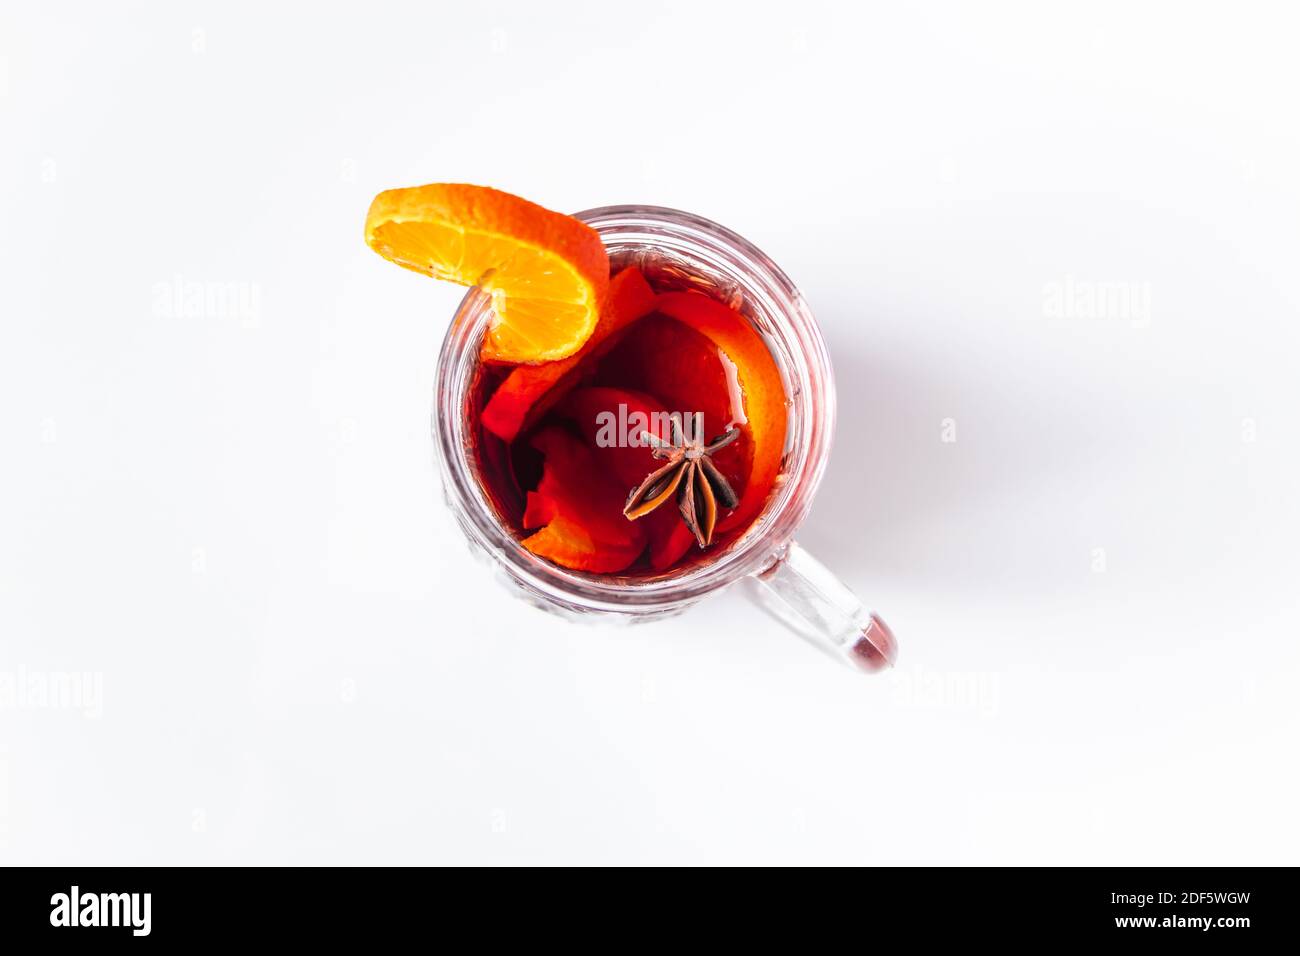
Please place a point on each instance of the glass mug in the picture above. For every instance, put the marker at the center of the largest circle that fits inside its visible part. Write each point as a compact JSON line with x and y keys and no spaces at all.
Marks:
{"x":677,"y":250}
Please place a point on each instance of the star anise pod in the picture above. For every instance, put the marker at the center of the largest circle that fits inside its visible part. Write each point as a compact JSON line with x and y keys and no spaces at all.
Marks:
{"x":691,"y":473}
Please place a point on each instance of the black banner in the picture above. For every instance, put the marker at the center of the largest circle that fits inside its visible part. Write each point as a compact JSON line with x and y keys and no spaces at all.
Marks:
{"x":1223,"y":907}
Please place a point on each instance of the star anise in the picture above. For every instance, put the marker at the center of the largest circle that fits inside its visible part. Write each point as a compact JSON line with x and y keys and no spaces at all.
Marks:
{"x":691,"y":473}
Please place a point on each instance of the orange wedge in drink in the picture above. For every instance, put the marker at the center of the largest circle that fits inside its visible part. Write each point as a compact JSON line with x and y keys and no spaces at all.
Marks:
{"x":578,"y":510}
{"x":547,"y":273}
{"x":530,"y":390}
{"x":757,"y":379}
{"x":668,"y":536}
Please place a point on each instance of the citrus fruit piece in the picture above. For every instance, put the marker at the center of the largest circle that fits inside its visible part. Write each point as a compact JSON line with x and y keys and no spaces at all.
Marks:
{"x":529,"y":390}
{"x":668,"y":536}
{"x":547,"y":273}
{"x":753,"y":373}
{"x":686,"y":372}
{"x":627,"y":462}
{"x":579,"y":510}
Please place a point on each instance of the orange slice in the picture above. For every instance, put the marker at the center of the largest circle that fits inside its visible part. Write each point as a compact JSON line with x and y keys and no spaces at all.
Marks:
{"x":579,"y":510}
{"x":547,"y":273}
{"x":686,"y":372}
{"x":667,"y":534}
{"x":758,"y":379}
{"x":530,"y":390}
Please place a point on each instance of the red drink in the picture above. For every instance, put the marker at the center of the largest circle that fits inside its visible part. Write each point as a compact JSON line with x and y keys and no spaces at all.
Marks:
{"x":561,"y":445}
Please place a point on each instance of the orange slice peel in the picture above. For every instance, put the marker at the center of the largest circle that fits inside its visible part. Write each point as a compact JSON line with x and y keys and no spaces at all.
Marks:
{"x":547,"y":273}
{"x":762,"y":393}
{"x":578,"y":510}
{"x":530,"y":390}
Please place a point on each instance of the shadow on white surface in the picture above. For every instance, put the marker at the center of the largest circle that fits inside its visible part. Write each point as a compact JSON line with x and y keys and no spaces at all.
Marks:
{"x":968,"y":472}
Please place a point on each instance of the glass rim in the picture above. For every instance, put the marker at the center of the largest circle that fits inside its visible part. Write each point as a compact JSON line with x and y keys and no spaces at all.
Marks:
{"x":811,"y":398}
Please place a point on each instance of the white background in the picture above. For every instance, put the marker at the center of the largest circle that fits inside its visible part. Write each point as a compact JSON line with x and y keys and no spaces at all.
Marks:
{"x":230,"y":520}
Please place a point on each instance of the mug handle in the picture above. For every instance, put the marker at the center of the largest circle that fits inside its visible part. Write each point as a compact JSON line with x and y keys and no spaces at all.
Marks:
{"x":802,"y":592}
